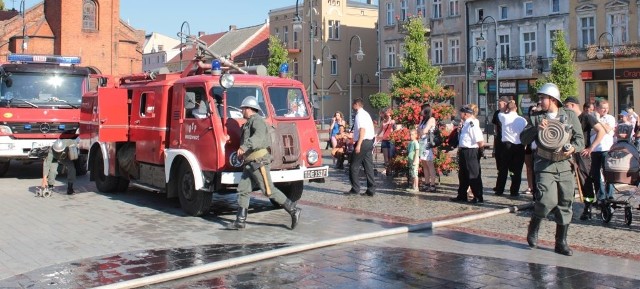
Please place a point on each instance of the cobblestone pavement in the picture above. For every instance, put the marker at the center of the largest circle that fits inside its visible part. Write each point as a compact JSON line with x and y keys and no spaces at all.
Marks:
{"x":75,"y":231}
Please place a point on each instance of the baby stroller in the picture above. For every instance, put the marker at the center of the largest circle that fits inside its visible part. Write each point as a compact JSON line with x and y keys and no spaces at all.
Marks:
{"x":622,"y":166}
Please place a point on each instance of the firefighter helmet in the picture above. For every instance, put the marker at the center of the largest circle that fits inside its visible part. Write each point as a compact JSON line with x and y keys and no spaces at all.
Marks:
{"x":250,"y":102}
{"x":58,"y":146}
{"x":551,"y":90}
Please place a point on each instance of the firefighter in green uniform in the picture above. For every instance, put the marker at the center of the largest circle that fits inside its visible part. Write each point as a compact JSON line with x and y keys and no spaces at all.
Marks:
{"x":255,"y":141}
{"x":552,"y":166}
{"x":62,"y":151}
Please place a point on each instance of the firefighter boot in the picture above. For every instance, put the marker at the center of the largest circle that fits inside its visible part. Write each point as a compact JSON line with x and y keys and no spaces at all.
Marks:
{"x":532,"y":231}
{"x":70,"y":190}
{"x":586,"y":214}
{"x":239,"y":223}
{"x":291,"y":208}
{"x":561,"y":240}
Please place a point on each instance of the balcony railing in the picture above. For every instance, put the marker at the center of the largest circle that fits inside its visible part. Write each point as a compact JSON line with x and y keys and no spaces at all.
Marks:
{"x":620,"y":51}
{"x":538,"y":64}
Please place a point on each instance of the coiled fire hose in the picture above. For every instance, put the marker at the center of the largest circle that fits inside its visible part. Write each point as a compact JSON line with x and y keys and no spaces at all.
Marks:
{"x":555,"y":135}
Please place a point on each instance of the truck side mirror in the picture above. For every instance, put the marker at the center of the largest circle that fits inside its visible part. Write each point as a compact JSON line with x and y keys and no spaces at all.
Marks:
{"x":190,"y":100}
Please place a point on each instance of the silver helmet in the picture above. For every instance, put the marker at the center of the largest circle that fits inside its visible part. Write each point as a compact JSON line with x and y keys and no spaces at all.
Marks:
{"x":551,"y":90}
{"x":58,"y":146}
{"x":250,"y":102}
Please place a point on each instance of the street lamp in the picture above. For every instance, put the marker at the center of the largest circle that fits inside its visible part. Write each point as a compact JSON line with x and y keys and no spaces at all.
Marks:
{"x":25,"y":38}
{"x":182,"y":36}
{"x":322,"y":91}
{"x":478,"y":63}
{"x":497,"y":64}
{"x":362,"y":76}
{"x":600,"y":55}
{"x":359,"y":56}
{"x":297,"y":27}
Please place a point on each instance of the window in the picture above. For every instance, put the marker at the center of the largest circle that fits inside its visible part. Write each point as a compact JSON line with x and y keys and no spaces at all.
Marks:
{"x":454,"y":8}
{"x":196,"y":98}
{"x":391,"y":56}
{"x":295,"y":68}
{"x":437,"y":9}
{"x":390,"y":16}
{"x":287,"y":102}
{"x":89,"y":15}
{"x":437,"y":51}
{"x":555,"y":6}
{"x":503,"y":42}
{"x":276,"y":32}
{"x":285,"y":35}
{"x":617,"y":24}
{"x":295,"y":39}
{"x":529,"y":43}
{"x":479,"y":15}
{"x":454,"y":50}
{"x":334,"y":29}
{"x":552,"y":42}
{"x":504,"y":12}
{"x":334,"y":65}
{"x":528,"y":9}
{"x":482,"y":50}
{"x":404,"y":10}
{"x":235,"y":95}
{"x":421,"y":9}
{"x":587,"y":31}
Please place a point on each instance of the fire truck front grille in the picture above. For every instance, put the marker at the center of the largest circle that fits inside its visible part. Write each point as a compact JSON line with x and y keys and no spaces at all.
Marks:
{"x":289,"y":149}
{"x":43,"y":127}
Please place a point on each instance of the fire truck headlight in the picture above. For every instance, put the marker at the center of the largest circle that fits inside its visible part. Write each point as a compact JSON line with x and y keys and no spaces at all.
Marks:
{"x":5,"y":130}
{"x":226,"y":81}
{"x":234,"y":161}
{"x":312,"y":157}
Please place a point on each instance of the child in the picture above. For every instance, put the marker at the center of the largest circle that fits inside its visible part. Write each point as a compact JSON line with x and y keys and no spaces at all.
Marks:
{"x":414,"y":160}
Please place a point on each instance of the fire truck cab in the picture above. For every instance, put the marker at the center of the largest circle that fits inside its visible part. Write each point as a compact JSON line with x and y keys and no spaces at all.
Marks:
{"x":39,"y":102}
{"x":178,"y":133}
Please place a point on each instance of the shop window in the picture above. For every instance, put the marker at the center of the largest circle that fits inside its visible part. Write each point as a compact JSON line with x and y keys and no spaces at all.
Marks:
{"x":596,"y":90}
{"x":625,"y":95}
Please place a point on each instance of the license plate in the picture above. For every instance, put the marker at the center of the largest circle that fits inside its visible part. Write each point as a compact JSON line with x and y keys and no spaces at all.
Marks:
{"x":38,"y":145}
{"x":318,"y":173}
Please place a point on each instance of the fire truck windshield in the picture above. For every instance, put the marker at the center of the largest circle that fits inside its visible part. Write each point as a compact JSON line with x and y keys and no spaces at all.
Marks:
{"x":38,"y":89}
{"x":235,"y":95}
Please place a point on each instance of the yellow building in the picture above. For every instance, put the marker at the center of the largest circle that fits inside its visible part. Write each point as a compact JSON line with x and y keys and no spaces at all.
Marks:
{"x":605,"y":36}
{"x":338,"y":29}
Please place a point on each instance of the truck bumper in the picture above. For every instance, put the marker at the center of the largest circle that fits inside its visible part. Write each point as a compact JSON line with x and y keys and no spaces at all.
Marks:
{"x":301,"y":174}
{"x":19,"y":148}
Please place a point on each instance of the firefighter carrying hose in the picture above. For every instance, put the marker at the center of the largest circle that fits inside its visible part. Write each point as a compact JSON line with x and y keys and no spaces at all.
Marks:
{"x":255,"y":141}
{"x":64,"y":152}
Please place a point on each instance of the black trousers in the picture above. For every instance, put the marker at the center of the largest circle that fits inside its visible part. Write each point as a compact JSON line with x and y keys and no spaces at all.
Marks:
{"x":512,"y":160}
{"x":586,"y":180}
{"x":597,"y":165}
{"x":469,"y":173}
{"x":498,"y":149}
{"x":364,"y":158}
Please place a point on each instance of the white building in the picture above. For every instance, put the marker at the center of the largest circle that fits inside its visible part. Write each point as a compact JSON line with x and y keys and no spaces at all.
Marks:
{"x":157,"y":50}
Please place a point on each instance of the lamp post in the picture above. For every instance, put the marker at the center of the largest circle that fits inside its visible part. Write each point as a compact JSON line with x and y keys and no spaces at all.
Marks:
{"x":362,"y":76}
{"x":478,"y":62}
{"x":297,"y":27}
{"x":322,"y":81}
{"x":600,"y":55}
{"x":182,"y":36}
{"x":359,"y":56}
{"x":497,"y":64}
{"x":25,"y":38}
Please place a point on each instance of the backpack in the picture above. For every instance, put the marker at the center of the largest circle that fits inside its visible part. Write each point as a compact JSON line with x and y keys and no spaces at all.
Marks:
{"x":622,"y":164}
{"x":435,"y":138}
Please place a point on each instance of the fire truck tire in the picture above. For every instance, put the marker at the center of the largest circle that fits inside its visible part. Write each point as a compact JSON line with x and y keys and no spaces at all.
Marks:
{"x":123,"y":185}
{"x":105,"y":184}
{"x":4,"y":167}
{"x":192,"y":201}
{"x":292,"y":190}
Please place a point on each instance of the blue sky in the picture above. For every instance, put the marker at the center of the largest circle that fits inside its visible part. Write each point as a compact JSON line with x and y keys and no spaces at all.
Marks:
{"x":210,"y":16}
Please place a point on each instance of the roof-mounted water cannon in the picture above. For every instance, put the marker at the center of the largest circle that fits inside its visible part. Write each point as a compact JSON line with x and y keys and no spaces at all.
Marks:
{"x":284,"y":70}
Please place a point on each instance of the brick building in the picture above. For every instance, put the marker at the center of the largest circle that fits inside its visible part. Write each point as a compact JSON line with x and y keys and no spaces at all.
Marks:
{"x":91,"y":29}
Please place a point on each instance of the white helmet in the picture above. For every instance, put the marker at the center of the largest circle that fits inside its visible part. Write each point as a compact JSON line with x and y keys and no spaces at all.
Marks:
{"x":551,"y":90}
{"x":250,"y":102}
{"x":58,"y":146}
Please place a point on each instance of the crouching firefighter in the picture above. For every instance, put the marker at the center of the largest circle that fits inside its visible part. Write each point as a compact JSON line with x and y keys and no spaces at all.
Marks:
{"x":62,"y":152}
{"x":254,"y":144}
{"x":558,"y":134}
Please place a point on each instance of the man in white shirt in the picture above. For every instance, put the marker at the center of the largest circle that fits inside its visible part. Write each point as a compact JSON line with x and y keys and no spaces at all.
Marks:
{"x":470,"y":144}
{"x":599,"y":151}
{"x":513,"y":151}
{"x":363,"y":135}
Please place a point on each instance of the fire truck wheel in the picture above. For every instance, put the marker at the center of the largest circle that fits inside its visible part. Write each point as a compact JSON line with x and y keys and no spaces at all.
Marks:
{"x":123,"y":185}
{"x":293,"y":190}
{"x":105,"y":184}
{"x":192,"y":201}
{"x":4,"y":167}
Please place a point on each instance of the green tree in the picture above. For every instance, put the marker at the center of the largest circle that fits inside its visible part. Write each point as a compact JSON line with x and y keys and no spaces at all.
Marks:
{"x":277,"y":55}
{"x":416,"y":68}
{"x":562,"y":68}
{"x":1,"y":5}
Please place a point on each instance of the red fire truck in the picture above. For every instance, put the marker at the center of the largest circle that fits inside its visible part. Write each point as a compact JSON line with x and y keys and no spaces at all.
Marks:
{"x":39,"y":103}
{"x":177,"y":133}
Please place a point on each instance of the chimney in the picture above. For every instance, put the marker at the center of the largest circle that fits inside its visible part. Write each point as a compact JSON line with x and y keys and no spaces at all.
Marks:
{"x":201,"y":33}
{"x":232,"y":27}
{"x":160,"y":47}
